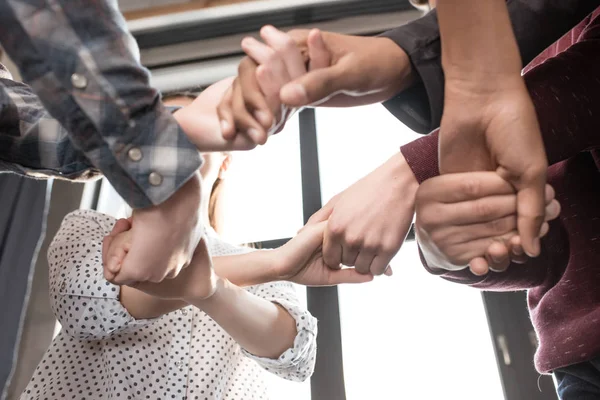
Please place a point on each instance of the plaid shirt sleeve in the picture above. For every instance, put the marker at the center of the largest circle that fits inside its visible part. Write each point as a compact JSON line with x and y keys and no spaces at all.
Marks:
{"x":33,"y":143}
{"x":82,"y":62}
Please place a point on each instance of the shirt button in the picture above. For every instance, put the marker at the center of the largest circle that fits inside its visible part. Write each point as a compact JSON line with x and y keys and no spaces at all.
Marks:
{"x":155,"y":178}
{"x":179,"y":364}
{"x":183,"y":311}
{"x":63,"y":287}
{"x":135,"y":154}
{"x":79,"y":81}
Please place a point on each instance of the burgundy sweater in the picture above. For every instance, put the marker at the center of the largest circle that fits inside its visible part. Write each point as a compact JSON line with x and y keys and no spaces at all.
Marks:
{"x":563,"y":283}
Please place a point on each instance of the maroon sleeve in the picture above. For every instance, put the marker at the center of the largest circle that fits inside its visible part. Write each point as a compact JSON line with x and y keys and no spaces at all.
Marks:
{"x":565,"y":90}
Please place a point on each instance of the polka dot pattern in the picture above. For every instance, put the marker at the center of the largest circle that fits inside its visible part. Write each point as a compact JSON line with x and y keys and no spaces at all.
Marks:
{"x":102,"y":352}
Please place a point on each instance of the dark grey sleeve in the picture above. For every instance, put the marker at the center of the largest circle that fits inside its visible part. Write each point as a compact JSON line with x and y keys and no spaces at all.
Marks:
{"x":536,"y":23}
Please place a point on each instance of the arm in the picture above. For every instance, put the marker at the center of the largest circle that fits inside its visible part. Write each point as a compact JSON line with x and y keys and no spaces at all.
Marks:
{"x":266,"y":320}
{"x":83,"y":63}
{"x":32,"y":142}
{"x":86,"y":305}
{"x":536,"y":25}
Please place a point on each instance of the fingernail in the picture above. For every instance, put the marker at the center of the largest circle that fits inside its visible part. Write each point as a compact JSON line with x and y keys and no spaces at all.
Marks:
{"x":253,"y":133}
{"x":536,"y":248}
{"x":389,"y":271}
{"x":294,"y":91}
{"x":224,"y":126}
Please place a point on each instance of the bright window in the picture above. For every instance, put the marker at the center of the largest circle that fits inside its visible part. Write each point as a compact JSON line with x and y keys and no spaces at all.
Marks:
{"x":399,"y":333}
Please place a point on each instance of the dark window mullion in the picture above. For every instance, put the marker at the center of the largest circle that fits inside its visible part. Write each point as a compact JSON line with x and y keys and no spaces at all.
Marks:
{"x":327,"y":382}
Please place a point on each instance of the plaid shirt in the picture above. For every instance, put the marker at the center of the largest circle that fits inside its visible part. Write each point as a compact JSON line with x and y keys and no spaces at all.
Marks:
{"x":84,"y":66}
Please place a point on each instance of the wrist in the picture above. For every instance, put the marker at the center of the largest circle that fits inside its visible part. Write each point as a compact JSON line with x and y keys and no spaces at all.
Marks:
{"x":402,"y":176}
{"x":404,"y":76}
{"x":218,"y":300}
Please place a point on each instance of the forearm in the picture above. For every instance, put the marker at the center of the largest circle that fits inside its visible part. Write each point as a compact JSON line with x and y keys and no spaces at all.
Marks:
{"x":144,"y":306}
{"x":248,"y":269}
{"x":536,"y":24}
{"x":478,"y":44}
{"x":32,"y":142}
{"x":263,"y":328}
{"x":97,"y":89}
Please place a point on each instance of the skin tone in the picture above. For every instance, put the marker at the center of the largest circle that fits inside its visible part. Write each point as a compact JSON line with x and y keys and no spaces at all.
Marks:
{"x":164,"y":237}
{"x":345,"y":232}
{"x":459,"y":216}
{"x":261,"y":327}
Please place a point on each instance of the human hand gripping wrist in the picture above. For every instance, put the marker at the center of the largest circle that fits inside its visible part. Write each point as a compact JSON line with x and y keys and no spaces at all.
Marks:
{"x":469,"y":219}
{"x":163,"y":238}
{"x":200,"y":122}
{"x":496,"y":128}
{"x":368,"y":222}
{"x":342,"y":71}
{"x":301,"y":261}
{"x":196,"y":282}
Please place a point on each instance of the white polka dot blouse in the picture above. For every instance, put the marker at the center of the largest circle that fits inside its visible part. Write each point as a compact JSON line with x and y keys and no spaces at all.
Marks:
{"x":102,"y":352}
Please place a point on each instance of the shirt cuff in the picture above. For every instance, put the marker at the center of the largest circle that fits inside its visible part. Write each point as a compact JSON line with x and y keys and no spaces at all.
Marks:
{"x":422,"y":157}
{"x":306,"y":326}
{"x":420,"y":107}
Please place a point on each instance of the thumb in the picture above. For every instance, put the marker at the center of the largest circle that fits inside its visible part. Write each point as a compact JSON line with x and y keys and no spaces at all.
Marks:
{"x":320,"y":216}
{"x":318,"y":53}
{"x":314,"y":87}
{"x":348,"y":275}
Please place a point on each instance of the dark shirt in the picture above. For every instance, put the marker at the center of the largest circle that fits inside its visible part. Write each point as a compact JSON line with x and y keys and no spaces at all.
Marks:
{"x":536,"y":24}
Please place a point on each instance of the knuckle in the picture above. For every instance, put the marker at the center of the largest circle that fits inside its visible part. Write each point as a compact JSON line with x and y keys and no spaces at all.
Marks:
{"x":336,"y":229}
{"x":483,"y":209}
{"x":471,"y":187}
{"x":352,"y":241}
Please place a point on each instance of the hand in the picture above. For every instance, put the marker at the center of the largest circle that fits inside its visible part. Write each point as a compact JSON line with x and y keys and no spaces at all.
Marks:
{"x":498,"y":130}
{"x":253,"y":105}
{"x":197,"y":282}
{"x":200,"y":122}
{"x":341,"y":70}
{"x":301,"y":261}
{"x":463,"y":217}
{"x":368,"y":222}
{"x":361,"y":70}
{"x":164,"y":238}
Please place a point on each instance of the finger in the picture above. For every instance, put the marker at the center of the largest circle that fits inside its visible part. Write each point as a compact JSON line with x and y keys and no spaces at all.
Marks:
{"x":518,"y":256}
{"x":270,"y":88}
{"x":318,"y":53}
{"x":323,"y":214}
{"x":115,"y":257}
{"x":455,"y":188}
{"x":105,"y":246}
{"x":225,"y":113}
{"x":380,"y":265}
{"x":244,"y":121}
{"x":467,"y":233}
{"x":259,"y":52}
{"x":120,"y":226}
{"x":552,"y":210}
{"x":363,"y":262}
{"x":550,"y":194}
{"x":498,"y":257}
{"x":255,"y":100}
{"x":476,"y":248}
{"x":478,"y":211}
{"x":479,"y":266}
{"x":287,"y":48}
{"x":316,"y":86}
{"x":348,"y":275}
{"x":349,"y":255}
{"x":388,"y":271}
{"x":332,"y":251}
{"x":530,"y":209}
